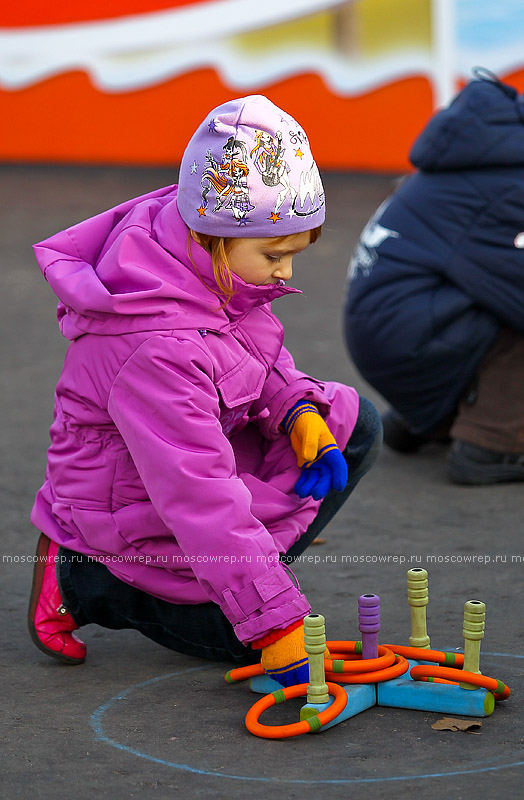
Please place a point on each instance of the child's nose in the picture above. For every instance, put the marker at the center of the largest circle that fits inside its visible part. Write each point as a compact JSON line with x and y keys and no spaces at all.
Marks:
{"x":284,"y":271}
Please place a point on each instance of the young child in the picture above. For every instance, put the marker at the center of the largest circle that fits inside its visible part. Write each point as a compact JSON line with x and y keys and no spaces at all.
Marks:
{"x":189,"y":458}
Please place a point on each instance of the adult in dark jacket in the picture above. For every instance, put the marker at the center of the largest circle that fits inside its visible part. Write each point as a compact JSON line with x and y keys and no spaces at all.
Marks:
{"x":434,"y":315}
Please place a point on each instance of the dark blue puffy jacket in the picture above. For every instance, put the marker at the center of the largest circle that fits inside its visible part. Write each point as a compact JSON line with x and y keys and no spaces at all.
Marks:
{"x":439,"y":268}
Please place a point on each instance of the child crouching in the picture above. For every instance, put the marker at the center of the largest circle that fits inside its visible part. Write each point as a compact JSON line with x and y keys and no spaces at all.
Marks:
{"x":190,"y":461}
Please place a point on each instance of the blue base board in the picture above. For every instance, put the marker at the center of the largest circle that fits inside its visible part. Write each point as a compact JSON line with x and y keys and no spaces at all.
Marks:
{"x":402,"y":692}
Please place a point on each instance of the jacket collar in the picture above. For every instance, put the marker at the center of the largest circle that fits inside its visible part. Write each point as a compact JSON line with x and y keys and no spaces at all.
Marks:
{"x":172,"y":233}
{"x":248,"y":296}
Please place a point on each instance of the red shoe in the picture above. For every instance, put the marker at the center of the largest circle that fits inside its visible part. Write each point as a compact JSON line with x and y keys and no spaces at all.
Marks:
{"x":50,"y":624}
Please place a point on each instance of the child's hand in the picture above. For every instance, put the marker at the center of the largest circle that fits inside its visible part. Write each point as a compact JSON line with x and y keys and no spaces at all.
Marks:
{"x":286,"y":660}
{"x":323,"y":465}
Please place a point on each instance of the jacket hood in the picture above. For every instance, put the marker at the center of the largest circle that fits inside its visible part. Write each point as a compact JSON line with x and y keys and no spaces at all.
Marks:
{"x":128,"y":269}
{"x":482,"y":127}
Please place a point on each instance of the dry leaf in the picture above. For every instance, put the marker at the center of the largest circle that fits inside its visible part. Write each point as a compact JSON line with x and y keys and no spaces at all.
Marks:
{"x":318,"y":541}
{"x":453,"y":724}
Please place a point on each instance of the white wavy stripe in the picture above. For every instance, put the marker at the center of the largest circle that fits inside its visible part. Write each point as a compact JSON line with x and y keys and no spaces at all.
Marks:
{"x":113,"y":74}
{"x":137,"y":52}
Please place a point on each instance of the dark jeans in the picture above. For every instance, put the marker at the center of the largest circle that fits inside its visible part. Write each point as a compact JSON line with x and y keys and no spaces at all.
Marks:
{"x":93,"y":594}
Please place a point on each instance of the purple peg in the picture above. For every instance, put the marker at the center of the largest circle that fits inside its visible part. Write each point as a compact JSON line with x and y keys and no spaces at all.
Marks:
{"x":369,"y":623}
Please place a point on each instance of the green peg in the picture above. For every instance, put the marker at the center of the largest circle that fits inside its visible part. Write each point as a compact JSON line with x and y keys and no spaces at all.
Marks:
{"x":473,"y":632}
{"x":418,"y":600}
{"x":315,"y":644}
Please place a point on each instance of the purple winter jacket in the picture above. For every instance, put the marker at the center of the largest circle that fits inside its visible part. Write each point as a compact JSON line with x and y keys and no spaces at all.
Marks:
{"x":166,"y":462}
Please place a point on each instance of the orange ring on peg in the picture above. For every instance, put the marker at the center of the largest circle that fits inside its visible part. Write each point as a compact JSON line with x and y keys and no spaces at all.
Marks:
{"x":399,"y":667}
{"x":343,"y":647}
{"x":314,"y":723}
{"x":499,"y":689}
{"x":355,"y":666}
{"x":358,"y":665}
{"x":244,"y":673}
{"x":448,"y":659}
{"x":345,"y":657}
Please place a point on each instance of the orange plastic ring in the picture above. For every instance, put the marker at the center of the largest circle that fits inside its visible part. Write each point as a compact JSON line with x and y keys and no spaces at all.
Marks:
{"x":345,"y":648}
{"x":355,"y":664}
{"x":499,"y":689}
{"x":385,"y":659}
{"x":420,"y":654}
{"x":243,"y":673}
{"x":295,"y":728}
{"x":399,"y":667}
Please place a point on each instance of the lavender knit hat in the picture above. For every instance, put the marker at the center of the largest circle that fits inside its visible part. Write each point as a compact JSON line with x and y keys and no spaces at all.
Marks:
{"x":248,"y":171}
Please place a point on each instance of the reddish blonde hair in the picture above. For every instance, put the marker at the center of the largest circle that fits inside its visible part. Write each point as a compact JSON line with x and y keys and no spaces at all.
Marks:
{"x":218,"y":246}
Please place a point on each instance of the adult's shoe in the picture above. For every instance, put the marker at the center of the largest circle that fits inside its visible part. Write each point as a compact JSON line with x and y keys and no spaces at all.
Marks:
{"x":398,"y":436}
{"x":475,"y":466}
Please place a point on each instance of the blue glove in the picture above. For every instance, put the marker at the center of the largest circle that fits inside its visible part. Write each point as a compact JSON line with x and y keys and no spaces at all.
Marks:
{"x":323,"y":465}
{"x":329,"y":471}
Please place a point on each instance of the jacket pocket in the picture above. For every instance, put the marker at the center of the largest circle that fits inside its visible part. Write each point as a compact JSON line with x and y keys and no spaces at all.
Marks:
{"x":242,"y":383}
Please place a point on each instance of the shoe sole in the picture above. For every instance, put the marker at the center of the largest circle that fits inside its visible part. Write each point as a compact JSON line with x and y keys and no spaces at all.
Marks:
{"x":464,"y":471}
{"x":38,"y":577}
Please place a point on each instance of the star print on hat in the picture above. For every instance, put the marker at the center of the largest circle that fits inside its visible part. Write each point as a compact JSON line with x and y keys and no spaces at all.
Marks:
{"x":248,"y":171}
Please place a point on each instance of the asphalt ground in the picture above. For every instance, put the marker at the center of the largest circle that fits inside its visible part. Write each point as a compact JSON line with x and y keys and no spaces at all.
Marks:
{"x":137,"y":720}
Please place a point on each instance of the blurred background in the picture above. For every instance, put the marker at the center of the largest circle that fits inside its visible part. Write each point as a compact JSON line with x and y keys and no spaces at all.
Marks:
{"x":126,"y":82}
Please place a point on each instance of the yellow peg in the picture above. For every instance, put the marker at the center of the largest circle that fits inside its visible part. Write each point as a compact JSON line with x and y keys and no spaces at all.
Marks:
{"x":315,"y":644}
{"x":473,"y":632}
{"x":418,"y":600}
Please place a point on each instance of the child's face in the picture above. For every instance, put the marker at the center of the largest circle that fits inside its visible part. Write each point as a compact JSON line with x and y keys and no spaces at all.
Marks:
{"x":261,"y":261}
